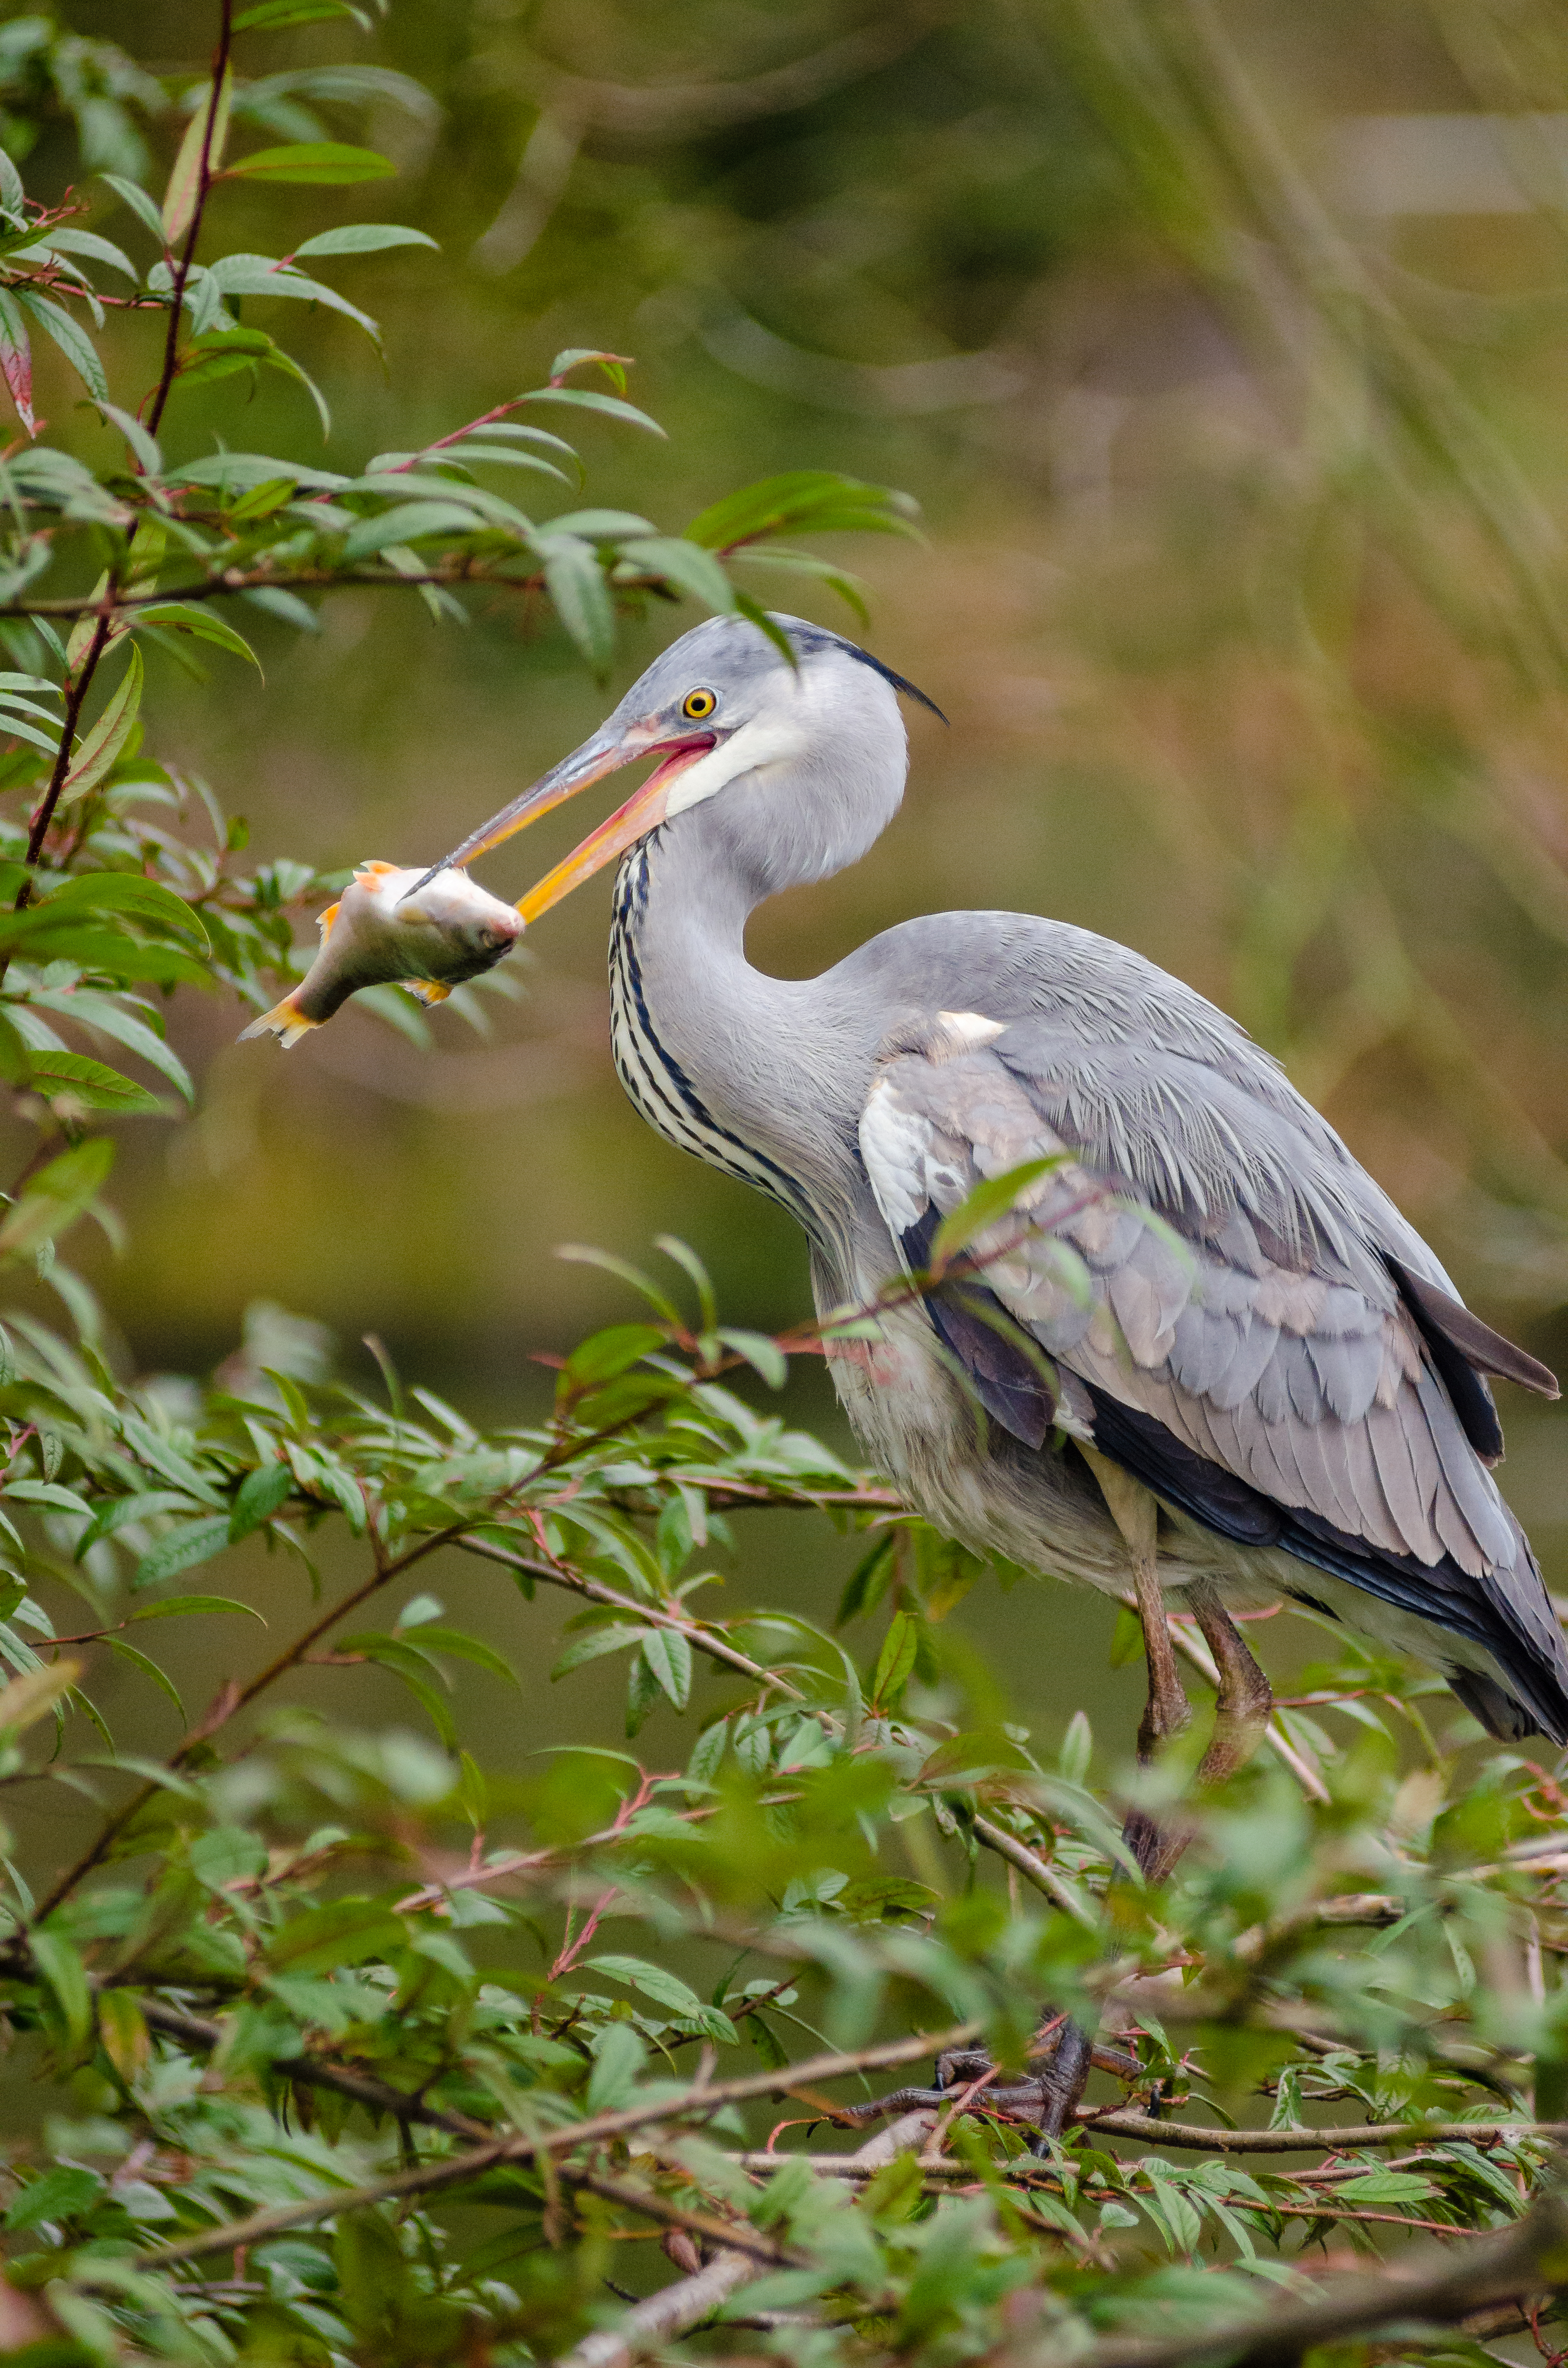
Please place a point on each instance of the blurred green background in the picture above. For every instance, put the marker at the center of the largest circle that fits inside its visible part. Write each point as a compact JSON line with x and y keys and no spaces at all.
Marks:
{"x":1226,"y":352}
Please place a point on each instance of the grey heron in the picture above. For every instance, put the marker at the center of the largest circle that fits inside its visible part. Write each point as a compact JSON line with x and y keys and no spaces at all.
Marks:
{"x":1212,"y":1358}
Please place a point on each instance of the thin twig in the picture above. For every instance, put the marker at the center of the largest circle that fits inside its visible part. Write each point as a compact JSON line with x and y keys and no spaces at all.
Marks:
{"x":1118,"y":2122}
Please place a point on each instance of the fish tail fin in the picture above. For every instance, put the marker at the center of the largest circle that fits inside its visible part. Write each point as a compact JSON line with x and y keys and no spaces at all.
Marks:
{"x":428,"y":990}
{"x":285,"y":1020}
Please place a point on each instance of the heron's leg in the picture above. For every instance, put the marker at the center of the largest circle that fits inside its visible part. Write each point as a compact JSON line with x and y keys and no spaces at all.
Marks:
{"x":1167,"y":1710}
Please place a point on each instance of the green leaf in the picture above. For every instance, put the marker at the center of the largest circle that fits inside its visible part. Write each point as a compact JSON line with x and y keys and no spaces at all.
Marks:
{"x":175,"y":1607}
{"x":685,"y":565}
{"x":103,"y":1016}
{"x":605,"y":1354}
{"x":466,"y":1648}
{"x":184,"y":192}
{"x":653,"y":1982}
{"x":15,"y":1054}
{"x":72,"y":339}
{"x":571,"y":357}
{"x":123,"y":2035}
{"x":595,"y":1644}
{"x":56,"y":1197}
{"x":869,"y":1580}
{"x":143,"y":207}
{"x":73,"y":1076}
{"x":345,"y":1932}
{"x":668,"y":1656}
{"x":618,"y":2057}
{"x":227,"y":1854}
{"x":802,"y":501}
{"x":587,"y":400}
{"x":272,"y":16}
{"x":109,"y":735}
{"x":119,"y":892}
{"x":17,"y":359}
{"x":33,"y":1695}
{"x":66,"y":2192}
{"x":1386,"y":2187}
{"x":364,"y":238}
{"x":184,"y":617}
{"x":63,"y":1971}
{"x":119,"y":1510}
{"x":765,"y":1356}
{"x":183,"y":1549}
{"x":323,"y":163}
{"x":989,"y":1200}
{"x":409,"y":522}
{"x":260,"y":1494}
{"x":599,"y":526}
{"x":143,"y":446}
{"x":896,"y":1658}
{"x":575,"y":583}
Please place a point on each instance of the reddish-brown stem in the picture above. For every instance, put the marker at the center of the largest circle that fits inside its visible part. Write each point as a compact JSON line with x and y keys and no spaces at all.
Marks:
{"x":187,"y":254}
{"x":83,"y":680}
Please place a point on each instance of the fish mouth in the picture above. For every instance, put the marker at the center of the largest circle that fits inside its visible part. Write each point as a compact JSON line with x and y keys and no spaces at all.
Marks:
{"x":608,"y":751}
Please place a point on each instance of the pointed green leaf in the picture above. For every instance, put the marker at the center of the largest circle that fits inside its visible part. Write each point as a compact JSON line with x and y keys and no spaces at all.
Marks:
{"x":56,"y":1197}
{"x":185,"y":617}
{"x":109,"y":735}
{"x":364,"y":238}
{"x":324,"y":162}
{"x":575,"y":583}
{"x":184,"y":192}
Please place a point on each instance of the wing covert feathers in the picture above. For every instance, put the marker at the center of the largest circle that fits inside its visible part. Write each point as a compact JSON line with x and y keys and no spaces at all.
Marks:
{"x":1242,"y":1307}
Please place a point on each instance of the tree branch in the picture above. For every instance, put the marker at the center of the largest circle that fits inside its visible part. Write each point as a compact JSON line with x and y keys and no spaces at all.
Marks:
{"x":700,"y":2098}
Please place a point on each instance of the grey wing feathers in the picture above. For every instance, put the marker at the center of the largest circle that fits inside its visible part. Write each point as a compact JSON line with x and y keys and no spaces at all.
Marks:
{"x":1207,"y":1258}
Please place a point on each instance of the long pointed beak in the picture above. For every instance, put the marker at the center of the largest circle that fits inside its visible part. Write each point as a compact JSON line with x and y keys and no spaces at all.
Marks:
{"x":643,"y":812}
{"x":605,"y":753}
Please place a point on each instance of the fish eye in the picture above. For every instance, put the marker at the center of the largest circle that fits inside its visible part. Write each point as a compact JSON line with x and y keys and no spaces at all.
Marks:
{"x":698,"y":705}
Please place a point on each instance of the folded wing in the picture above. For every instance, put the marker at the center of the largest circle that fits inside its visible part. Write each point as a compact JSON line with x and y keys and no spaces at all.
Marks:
{"x":1232,"y":1309}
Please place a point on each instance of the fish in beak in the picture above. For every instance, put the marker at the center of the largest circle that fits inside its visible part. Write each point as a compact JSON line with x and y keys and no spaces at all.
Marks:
{"x":429,"y":931}
{"x":614,"y":745}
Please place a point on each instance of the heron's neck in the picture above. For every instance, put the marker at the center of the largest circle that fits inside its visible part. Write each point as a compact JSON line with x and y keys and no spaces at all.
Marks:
{"x":753,"y":1075}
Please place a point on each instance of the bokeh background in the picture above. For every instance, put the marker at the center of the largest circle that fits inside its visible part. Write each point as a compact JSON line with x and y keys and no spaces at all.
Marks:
{"x":1225,"y":349}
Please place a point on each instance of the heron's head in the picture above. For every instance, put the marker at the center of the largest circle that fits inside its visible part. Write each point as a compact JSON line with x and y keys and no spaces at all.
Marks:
{"x":807,"y":759}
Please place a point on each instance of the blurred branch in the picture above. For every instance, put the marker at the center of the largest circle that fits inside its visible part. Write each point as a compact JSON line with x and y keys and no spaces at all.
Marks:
{"x":676,"y":111}
{"x":1428,"y":2287}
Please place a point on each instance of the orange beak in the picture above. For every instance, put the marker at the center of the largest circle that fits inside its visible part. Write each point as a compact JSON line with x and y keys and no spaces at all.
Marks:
{"x":606,"y":753}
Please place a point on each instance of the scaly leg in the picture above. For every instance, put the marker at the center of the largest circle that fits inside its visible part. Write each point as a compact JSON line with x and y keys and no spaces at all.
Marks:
{"x":1166,"y":1712}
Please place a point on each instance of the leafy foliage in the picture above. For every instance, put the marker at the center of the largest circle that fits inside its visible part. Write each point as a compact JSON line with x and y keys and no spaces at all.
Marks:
{"x":301,"y":1990}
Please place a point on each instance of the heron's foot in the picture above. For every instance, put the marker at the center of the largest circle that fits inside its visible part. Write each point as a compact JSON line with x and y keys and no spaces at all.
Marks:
{"x":1242,"y":1711}
{"x":1047,"y":2098}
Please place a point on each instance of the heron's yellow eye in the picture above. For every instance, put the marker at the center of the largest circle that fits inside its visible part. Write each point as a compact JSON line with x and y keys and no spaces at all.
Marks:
{"x":699,"y":705}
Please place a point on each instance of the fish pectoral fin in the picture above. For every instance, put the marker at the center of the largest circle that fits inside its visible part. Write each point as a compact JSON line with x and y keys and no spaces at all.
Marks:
{"x":428,"y":990}
{"x":325,"y":920}
{"x":285,"y":1020}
